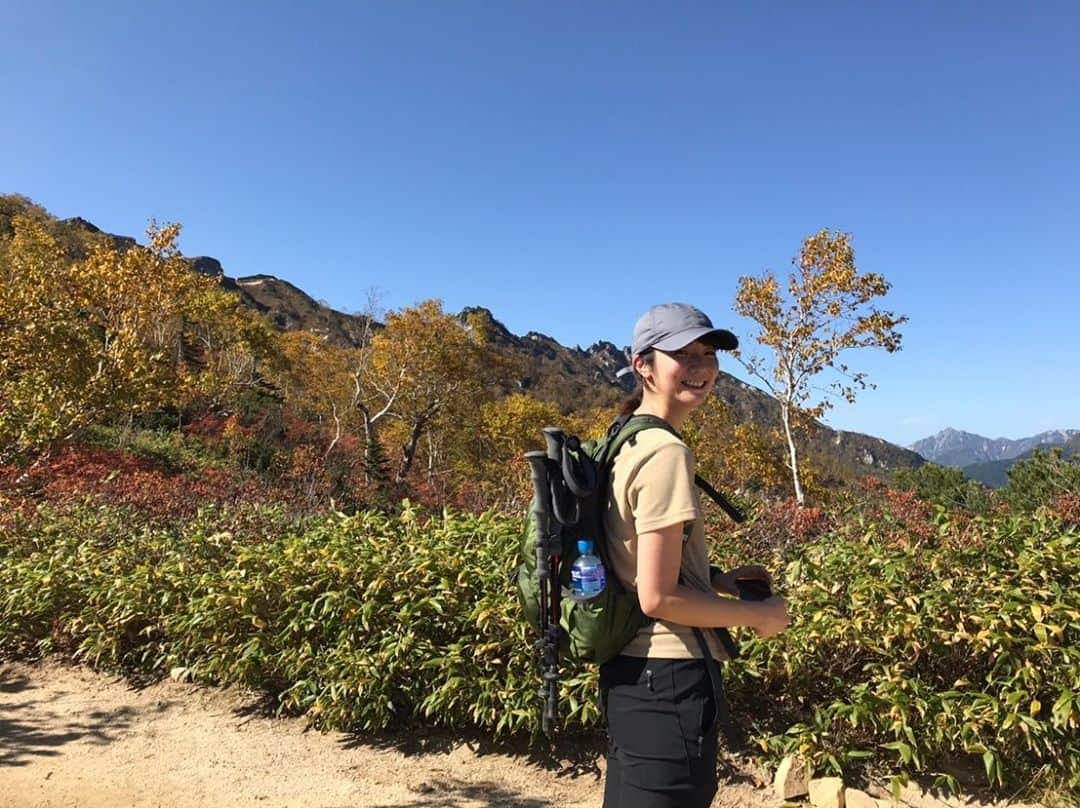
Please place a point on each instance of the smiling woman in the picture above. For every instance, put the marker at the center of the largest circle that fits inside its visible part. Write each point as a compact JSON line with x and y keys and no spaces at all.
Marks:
{"x":659,"y":696}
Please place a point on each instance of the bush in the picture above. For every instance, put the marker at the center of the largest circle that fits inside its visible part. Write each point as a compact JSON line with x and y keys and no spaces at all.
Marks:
{"x":924,"y":653}
{"x":943,"y":486}
{"x":171,"y":450}
{"x":771,"y":529}
{"x":358,"y":622}
{"x":76,"y":474}
{"x":1041,"y":479}
{"x":901,"y":655}
{"x":1067,"y":509}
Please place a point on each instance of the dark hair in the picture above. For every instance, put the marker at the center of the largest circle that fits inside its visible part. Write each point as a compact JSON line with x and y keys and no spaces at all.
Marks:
{"x":633,"y":401}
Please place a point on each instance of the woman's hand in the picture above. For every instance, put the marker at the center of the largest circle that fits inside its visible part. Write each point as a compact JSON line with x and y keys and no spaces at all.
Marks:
{"x":771,"y":616}
{"x":725,"y":582}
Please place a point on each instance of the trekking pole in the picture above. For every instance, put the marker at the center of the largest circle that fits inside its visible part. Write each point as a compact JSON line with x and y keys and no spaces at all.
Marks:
{"x":548,"y":550}
{"x":560,"y":476}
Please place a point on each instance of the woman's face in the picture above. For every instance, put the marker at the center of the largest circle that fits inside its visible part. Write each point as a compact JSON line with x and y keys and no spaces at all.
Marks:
{"x":684,"y":378}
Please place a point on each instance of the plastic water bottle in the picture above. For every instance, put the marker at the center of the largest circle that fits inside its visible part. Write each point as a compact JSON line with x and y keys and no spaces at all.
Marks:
{"x":587,"y":574}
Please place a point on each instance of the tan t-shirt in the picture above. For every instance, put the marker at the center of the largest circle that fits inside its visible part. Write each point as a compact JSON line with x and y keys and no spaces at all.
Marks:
{"x":652,"y":487}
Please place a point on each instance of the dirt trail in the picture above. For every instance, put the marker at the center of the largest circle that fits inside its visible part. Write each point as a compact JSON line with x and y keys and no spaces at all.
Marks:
{"x":72,"y":737}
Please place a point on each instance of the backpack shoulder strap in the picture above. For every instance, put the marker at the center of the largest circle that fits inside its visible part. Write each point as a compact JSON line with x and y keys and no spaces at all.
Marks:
{"x":625,"y":427}
{"x":725,"y":504}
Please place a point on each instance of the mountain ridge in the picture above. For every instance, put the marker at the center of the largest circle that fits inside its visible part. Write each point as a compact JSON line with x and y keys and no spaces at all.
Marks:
{"x":954,"y":447}
{"x":572,"y":378}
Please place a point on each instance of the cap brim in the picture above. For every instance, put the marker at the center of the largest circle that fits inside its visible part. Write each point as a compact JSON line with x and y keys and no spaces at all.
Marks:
{"x":719,"y":338}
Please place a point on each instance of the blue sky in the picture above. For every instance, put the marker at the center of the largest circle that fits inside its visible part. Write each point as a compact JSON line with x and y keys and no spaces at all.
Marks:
{"x":568,"y":165}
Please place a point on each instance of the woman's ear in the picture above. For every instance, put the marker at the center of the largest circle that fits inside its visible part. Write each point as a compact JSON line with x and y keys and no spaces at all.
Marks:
{"x":642,"y":369}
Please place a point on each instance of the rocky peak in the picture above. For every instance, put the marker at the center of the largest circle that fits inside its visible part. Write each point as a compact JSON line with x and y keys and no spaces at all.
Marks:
{"x":497,"y":333}
{"x":953,"y":447}
{"x":205,"y":265}
{"x":81,"y":223}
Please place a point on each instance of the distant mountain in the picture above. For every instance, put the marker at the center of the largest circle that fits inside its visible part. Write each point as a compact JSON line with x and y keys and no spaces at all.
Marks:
{"x":951,"y":447}
{"x":573,"y":378}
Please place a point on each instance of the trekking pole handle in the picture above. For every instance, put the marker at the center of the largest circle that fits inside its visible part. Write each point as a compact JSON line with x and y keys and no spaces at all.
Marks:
{"x":578,"y":470}
{"x":554,"y":438}
{"x":542,"y":512}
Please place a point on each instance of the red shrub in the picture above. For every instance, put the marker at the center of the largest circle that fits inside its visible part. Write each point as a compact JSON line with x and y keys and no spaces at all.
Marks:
{"x":902,"y":517}
{"x":1067,"y":508}
{"x":782,"y":524}
{"x":872,"y":484}
{"x":76,"y":473}
{"x":913,"y":517}
{"x":210,"y":426}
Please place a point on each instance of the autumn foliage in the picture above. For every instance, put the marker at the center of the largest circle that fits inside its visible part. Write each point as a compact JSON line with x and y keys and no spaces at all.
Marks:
{"x":186,"y":491}
{"x":117,"y":333}
{"x":825,"y":311}
{"x":111,"y":477}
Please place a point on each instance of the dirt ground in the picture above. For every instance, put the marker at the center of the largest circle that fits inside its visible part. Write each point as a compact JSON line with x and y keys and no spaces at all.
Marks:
{"x":75,"y":738}
{"x":72,"y":737}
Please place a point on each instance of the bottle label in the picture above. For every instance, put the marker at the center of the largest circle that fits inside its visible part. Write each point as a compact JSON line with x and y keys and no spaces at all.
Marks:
{"x":587,"y":580}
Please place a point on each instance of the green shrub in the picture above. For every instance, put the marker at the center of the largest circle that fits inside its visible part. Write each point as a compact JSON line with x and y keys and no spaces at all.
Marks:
{"x":901,"y":656}
{"x":943,"y":486}
{"x":1041,"y":480}
{"x":174,"y":450}
{"x":359,"y":622}
{"x":926,"y":653}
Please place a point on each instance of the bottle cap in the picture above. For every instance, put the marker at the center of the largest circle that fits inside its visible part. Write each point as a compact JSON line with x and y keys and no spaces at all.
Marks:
{"x":584,"y":546}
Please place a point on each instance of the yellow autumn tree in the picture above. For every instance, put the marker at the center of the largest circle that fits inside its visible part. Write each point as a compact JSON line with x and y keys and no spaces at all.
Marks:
{"x":508,"y":428}
{"x":734,"y":456}
{"x":316,"y":382}
{"x":228,"y":348}
{"x":427,"y":372}
{"x":827,"y":310}
{"x":87,"y":341}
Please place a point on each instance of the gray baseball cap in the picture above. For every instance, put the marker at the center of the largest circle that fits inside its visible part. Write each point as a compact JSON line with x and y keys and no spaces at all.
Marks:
{"x":671,"y":326}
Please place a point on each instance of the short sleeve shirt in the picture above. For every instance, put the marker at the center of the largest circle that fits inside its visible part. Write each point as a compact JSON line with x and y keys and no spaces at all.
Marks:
{"x":652,"y":487}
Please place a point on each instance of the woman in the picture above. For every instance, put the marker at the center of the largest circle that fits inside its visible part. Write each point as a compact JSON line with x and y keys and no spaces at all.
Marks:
{"x":657,"y":695}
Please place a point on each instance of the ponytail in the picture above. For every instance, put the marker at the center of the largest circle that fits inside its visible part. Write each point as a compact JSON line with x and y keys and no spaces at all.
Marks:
{"x":633,"y":401}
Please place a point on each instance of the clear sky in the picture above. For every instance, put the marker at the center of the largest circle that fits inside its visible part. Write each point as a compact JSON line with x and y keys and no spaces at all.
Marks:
{"x":566,"y":165}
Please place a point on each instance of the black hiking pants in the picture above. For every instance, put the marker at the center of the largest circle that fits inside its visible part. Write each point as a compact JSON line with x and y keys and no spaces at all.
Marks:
{"x":662,"y":733}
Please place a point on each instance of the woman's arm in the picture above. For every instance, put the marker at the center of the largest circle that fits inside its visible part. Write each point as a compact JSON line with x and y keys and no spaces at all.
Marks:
{"x":659,"y":556}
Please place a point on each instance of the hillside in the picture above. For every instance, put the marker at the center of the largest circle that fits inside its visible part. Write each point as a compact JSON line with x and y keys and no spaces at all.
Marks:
{"x":573,"y":378}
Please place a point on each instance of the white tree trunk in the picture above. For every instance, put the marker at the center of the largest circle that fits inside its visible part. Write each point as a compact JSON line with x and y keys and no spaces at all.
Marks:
{"x":785,"y":415}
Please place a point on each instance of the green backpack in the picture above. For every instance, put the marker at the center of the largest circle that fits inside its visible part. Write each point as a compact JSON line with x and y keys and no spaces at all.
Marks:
{"x":571,"y":482}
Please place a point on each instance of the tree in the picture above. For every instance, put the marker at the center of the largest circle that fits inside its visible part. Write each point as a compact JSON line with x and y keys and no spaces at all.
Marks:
{"x":427,"y":372}
{"x":417,"y":382}
{"x":332,"y":386}
{"x":316,"y":382}
{"x":89,"y":340}
{"x":228,"y":348}
{"x":735,"y":456}
{"x":1041,"y":479}
{"x":944,"y":486}
{"x":827,"y":310}
{"x":508,"y":428}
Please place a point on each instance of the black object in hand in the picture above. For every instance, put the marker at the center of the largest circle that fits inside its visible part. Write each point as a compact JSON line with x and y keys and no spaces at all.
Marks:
{"x":753,"y":589}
